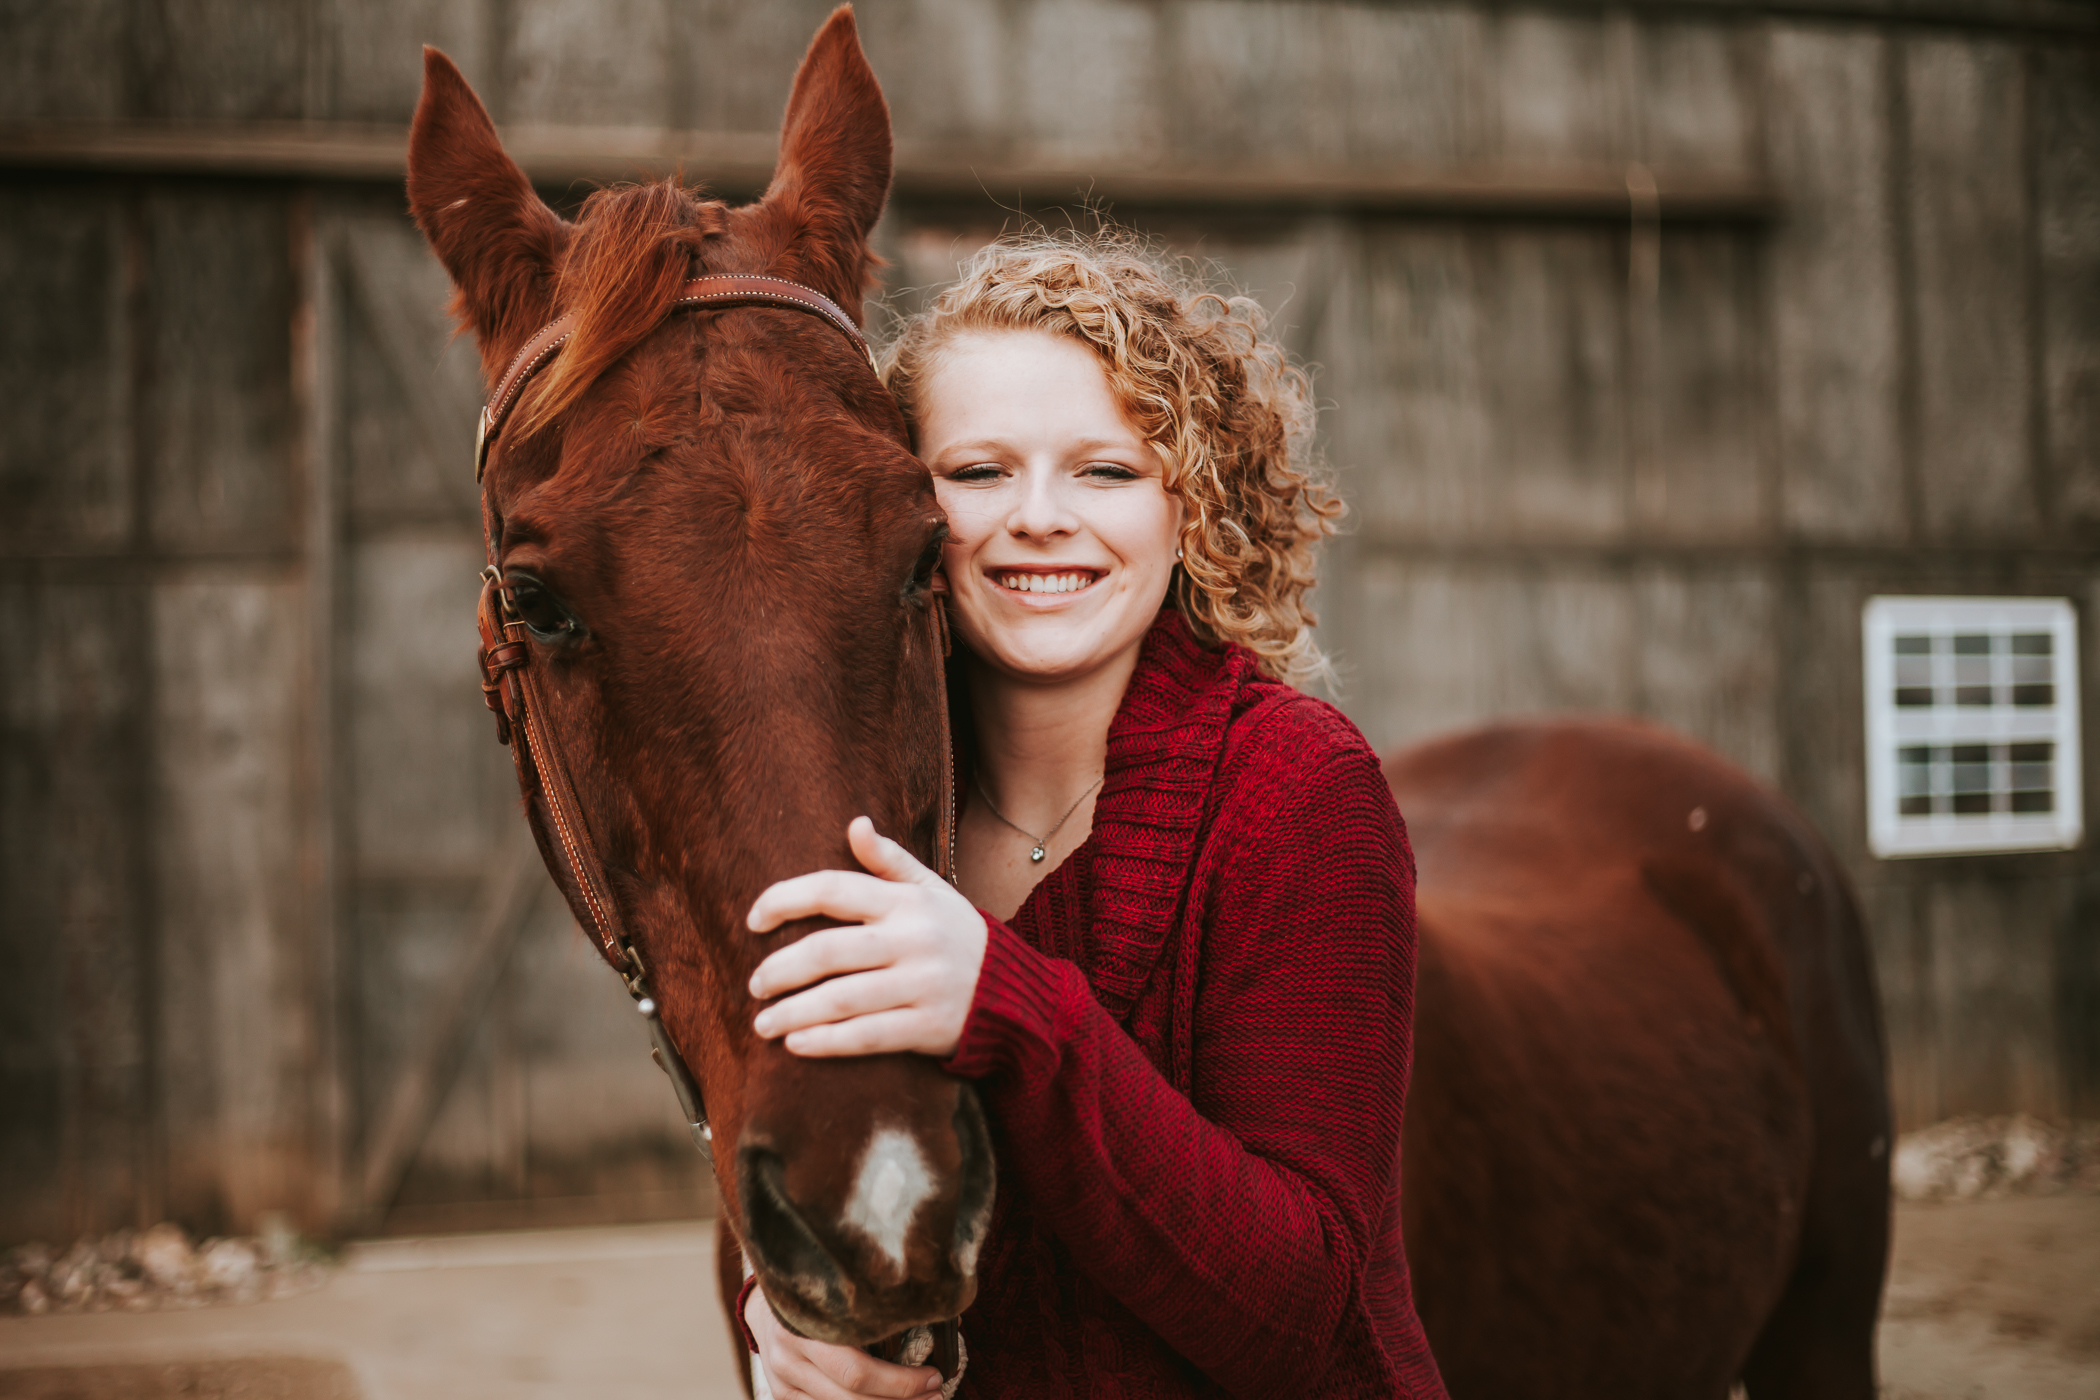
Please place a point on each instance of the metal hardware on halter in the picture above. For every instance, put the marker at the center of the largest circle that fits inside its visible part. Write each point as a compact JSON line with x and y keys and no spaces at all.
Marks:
{"x":691,"y":1105}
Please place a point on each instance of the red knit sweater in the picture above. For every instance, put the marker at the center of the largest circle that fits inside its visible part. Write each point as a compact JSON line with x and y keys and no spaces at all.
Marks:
{"x":1193,"y":1044}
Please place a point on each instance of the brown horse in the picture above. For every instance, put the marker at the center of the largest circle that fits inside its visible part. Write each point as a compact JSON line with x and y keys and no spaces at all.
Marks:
{"x":1647,"y":1141}
{"x":719,"y":547}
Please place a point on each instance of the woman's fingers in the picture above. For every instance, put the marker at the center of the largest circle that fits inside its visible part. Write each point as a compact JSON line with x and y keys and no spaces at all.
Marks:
{"x":826,"y":953}
{"x":876,"y":1033}
{"x":821,"y":1371}
{"x":800,"y":1367}
{"x":837,"y":894}
{"x":858,"y":1373}
{"x":859,"y":994}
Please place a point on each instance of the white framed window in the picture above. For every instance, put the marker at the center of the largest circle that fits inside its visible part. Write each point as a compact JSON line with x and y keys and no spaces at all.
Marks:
{"x":1972,"y":725}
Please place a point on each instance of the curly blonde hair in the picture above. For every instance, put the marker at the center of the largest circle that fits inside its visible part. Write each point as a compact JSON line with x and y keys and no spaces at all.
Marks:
{"x":1200,"y":376}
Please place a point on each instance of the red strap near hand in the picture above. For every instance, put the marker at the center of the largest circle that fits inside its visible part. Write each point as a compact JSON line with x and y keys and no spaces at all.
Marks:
{"x":743,"y":1299}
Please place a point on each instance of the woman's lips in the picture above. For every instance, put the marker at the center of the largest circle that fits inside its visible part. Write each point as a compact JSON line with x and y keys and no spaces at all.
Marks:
{"x":1041,"y":582}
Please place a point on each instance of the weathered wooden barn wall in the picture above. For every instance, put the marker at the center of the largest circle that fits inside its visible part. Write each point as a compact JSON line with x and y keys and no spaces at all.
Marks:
{"x":255,"y":839}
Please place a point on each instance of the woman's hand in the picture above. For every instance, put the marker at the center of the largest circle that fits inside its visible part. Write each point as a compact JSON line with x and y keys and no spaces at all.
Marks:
{"x":800,"y":1369}
{"x":900,"y":978}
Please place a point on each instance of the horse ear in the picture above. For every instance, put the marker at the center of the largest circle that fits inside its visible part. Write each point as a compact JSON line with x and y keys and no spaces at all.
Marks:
{"x":834,"y":171}
{"x":495,"y":237}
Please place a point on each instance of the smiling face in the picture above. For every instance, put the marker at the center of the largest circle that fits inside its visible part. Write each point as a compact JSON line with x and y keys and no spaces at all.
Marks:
{"x":1061,"y":530}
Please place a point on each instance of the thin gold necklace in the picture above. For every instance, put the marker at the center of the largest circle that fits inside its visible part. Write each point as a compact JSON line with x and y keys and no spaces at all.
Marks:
{"x":1035,"y":852}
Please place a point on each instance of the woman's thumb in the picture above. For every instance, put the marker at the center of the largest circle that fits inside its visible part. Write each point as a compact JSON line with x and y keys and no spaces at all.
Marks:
{"x":881,"y":856}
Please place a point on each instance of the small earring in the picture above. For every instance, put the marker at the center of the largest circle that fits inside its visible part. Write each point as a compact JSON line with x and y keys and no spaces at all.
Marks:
{"x":1177,"y":551}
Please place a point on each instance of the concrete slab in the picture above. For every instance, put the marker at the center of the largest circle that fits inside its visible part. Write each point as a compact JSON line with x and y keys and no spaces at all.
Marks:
{"x":1994,"y":1298}
{"x":531,"y":1315}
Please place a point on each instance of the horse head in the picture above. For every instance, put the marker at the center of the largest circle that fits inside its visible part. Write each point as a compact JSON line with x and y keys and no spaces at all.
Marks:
{"x":720,"y":548}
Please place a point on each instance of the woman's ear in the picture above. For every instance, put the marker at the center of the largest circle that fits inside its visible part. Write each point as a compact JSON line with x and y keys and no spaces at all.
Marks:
{"x":496,"y":238}
{"x":834,"y":172}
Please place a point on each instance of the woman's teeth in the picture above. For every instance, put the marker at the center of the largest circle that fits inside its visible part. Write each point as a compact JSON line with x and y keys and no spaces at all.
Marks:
{"x":1045,"y":583}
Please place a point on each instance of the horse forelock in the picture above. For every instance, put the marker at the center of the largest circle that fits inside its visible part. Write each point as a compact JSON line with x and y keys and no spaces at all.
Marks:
{"x":633,"y":248}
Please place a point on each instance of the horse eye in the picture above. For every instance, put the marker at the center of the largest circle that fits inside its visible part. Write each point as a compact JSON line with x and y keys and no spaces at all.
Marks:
{"x":541,"y":612}
{"x":929,"y":559}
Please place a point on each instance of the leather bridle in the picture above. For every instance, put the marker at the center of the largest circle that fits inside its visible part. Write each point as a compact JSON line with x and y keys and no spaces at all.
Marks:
{"x":515,"y":688}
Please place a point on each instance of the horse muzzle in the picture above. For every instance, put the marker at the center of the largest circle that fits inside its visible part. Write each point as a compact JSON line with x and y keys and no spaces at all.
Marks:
{"x":857,"y":1246}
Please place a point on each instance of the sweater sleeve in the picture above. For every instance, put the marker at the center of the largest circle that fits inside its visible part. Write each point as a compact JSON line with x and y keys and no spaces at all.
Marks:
{"x":1237,"y":1222}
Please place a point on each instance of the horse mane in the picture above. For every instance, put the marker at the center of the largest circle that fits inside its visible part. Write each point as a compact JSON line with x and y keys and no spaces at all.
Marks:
{"x":633,"y":249}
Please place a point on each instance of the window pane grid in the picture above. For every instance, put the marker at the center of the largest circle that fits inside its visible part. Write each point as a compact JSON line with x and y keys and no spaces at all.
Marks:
{"x":1938,"y":780}
{"x":1974,"y":670}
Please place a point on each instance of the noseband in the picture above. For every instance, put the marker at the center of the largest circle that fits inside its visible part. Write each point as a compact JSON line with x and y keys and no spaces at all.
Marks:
{"x":515,"y":689}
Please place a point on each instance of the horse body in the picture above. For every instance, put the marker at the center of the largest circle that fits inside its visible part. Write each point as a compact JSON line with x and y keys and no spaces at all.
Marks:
{"x":720,"y":547}
{"x":1647,"y":1139}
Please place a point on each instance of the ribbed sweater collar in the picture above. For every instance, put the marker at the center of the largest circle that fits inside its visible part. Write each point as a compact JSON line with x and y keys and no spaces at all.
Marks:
{"x":1163,"y":748}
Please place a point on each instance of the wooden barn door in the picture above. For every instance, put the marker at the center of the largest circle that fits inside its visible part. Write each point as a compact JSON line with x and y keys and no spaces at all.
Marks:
{"x":495,"y":1071}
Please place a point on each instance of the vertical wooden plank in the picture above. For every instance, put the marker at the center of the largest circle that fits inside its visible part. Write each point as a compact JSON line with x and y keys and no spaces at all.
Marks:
{"x":420,"y":746}
{"x":74,"y":1122}
{"x":1411,"y":430}
{"x":597,"y":1107}
{"x":1707,"y":665}
{"x":2066,"y":151}
{"x":63,"y":62}
{"x":417,"y":385}
{"x":1836,"y":352}
{"x":1910,"y":1009}
{"x":218,"y":60}
{"x":1969,"y":215}
{"x":1088,"y":82}
{"x":588,"y":62}
{"x":1699,"y":107}
{"x":1991,"y":941}
{"x":238,"y":1030}
{"x":1553,"y":340}
{"x":219,"y":402}
{"x":316,"y":336}
{"x":1711,"y":477}
{"x":1445,"y":644}
{"x":65,"y":468}
{"x":1286,"y":84}
{"x":377,"y":54}
{"x":943,"y":66}
{"x":1555,"y":89}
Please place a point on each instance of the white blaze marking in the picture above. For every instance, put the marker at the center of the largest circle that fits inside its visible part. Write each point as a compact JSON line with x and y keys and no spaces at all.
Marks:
{"x":893,"y":1183}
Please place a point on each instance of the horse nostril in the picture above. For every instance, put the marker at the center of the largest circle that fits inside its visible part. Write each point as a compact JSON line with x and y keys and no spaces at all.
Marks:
{"x":785,"y":1249}
{"x":977,"y":1179}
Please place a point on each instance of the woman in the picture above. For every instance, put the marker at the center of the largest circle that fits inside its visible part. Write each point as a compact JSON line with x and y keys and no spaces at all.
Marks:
{"x":1180,"y":963}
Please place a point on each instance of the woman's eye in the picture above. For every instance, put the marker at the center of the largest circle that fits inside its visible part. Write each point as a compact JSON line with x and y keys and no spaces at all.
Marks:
{"x":1110,"y":471}
{"x":542,"y":615}
{"x":976,"y":471}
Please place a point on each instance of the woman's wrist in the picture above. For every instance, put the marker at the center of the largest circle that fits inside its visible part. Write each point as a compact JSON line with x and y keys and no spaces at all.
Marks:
{"x":1013,"y":1003}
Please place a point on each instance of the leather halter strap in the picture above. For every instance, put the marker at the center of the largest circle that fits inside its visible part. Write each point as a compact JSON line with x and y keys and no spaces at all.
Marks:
{"x":515,"y":689}
{"x":716,"y":289}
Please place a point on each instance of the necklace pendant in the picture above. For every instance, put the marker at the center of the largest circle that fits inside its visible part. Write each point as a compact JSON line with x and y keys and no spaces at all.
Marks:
{"x":1036,"y":854}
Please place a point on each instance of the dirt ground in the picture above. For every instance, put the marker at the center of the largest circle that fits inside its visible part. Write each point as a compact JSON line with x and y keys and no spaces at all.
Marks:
{"x":1988,"y":1300}
{"x":1995,"y":1300}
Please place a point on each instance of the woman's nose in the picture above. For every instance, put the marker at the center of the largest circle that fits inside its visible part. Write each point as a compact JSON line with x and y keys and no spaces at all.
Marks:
{"x":1042,"y":510}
